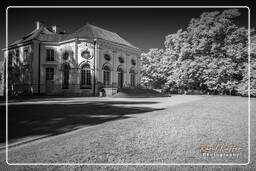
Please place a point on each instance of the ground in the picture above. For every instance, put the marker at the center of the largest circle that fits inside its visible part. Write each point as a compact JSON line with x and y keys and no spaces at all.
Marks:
{"x":128,"y":130}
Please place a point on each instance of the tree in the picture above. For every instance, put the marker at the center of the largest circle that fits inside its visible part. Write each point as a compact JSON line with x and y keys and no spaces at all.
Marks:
{"x":243,"y":85}
{"x":153,"y":68}
{"x":210,"y":53}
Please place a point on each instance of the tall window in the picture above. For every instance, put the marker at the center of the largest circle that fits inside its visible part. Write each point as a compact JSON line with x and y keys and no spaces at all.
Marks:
{"x":86,"y":76}
{"x":132,"y":79}
{"x":49,"y":54}
{"x":106,"y":75}
{"x":49,"y":74}
{"x":120,"y":77}
{"x":65,"y":78}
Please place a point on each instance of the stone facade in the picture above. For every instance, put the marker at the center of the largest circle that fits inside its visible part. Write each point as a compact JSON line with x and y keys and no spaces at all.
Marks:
{"x":89,"y":62}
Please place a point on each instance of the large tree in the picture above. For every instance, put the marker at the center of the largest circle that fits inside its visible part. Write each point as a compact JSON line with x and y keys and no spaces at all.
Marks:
{"x":243,"y":86}
{"x":211,"y":54}
{"x":153,"y":71}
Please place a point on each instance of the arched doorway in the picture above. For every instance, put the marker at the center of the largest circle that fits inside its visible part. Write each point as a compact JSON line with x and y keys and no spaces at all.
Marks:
{"x":85,"y":81}
{"x":120,"y":77}
{"x":65,"y":76}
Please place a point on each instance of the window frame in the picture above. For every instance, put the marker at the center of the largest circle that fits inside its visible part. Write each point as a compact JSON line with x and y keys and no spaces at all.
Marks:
{"x":85,"y":76}
{"x":50,"y":55}
{"x":49,"y":74}
{"x":106,"y":75}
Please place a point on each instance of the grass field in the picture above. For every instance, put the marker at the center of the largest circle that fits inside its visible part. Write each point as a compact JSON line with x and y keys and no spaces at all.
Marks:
{"x":139,"y":130}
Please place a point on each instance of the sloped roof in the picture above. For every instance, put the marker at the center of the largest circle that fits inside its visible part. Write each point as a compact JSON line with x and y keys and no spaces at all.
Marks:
{"x":42,"y":34}
{"x":87,"y":31}
{"x":91,"y":32}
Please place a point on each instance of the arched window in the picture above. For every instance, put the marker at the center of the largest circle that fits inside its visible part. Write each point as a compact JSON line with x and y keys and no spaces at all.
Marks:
{"x":132,"y":77}
{"x":106,"y":75}
{"x":65,"y":77}
{"x":85,"y":76}
{"x":120,"y":76}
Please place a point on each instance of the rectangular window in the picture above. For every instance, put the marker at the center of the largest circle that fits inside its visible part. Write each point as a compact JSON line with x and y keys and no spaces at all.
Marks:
{"x":49,"y":54}
{"x":49,"y":73}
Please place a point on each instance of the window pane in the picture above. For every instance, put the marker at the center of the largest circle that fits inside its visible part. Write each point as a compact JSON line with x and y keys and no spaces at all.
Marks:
{"x":106,"y":79}
{"x":50,"y":54}
{"x":49,"y":73}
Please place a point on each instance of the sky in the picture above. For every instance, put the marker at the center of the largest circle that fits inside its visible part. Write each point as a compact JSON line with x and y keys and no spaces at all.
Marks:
{"x":144,"y":28}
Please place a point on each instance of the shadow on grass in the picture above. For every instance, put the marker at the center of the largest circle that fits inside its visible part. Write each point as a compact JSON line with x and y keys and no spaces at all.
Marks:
{"x":57,"y":118}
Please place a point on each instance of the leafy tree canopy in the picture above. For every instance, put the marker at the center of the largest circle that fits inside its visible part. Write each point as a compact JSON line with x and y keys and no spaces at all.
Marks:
{"x":210,"y":55}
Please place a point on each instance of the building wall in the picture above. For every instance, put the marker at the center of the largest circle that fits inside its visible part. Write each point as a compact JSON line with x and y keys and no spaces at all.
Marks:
{"x":27,"y":80}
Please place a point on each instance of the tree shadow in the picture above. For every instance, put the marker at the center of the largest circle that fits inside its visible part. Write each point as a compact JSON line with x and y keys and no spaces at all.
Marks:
{"x":28,"y":120}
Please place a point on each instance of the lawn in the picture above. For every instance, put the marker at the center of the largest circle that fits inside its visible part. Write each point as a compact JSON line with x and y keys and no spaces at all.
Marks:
{"x":153,"y":130}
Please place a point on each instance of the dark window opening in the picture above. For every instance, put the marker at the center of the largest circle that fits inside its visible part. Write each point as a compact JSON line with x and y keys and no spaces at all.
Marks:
{"x":49,"y":55}
{"x":86,"y":76}
{"x":106,"y":75}
{"x":49,"y":74}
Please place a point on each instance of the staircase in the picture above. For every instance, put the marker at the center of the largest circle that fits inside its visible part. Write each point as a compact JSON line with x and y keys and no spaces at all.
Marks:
{"x":137,"y":92}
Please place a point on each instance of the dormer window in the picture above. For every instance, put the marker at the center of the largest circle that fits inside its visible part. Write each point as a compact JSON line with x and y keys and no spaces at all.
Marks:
{"x":50,"y":55}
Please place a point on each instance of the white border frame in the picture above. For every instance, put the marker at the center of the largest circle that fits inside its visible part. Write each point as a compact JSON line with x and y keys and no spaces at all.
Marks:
{"x":125,"y":164}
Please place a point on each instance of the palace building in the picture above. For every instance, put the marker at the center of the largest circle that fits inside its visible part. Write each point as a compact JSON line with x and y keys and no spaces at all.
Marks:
{"x":90,"y":61}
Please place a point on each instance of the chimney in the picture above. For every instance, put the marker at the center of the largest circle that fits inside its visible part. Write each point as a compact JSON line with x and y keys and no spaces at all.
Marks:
{"x":37,"y":25}
{"x":54,"y":29}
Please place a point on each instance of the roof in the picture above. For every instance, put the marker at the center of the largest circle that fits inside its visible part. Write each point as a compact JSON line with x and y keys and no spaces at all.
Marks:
{"x":87,"y":31}
{"x":91,"y":32}
{"x":42,"y":34}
